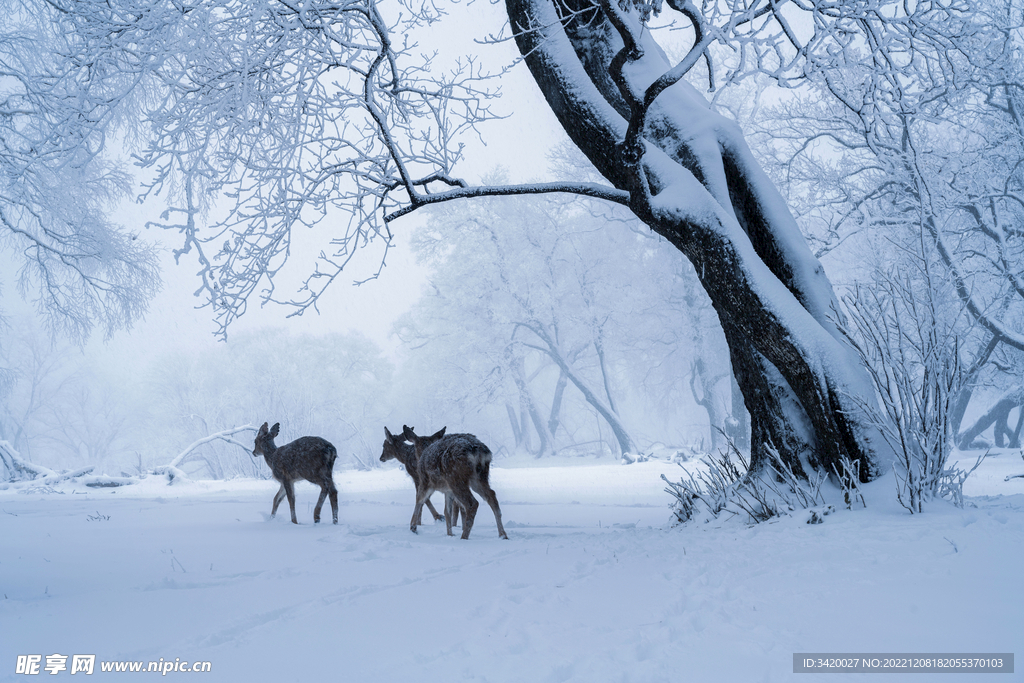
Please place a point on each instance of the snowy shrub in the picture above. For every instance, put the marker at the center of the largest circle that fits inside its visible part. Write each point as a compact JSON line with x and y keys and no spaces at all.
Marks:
{"x":905,"y":331}
{"x":818,"y":516}
{"x":848,"y":476}
{"x":712,"y":488}
{"x":951,"y":481}
{"x":724,"y":488}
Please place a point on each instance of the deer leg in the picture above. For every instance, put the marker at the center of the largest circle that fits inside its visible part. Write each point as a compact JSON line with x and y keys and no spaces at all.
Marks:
{"x":464,"y":497}
{"x":333,"y":493}
{"x":433,"y":511}
{"x":485,"y":490}
{"x":451,"y":510}
{"x":320,"y":504}
{"x":417,"y":513}
{"x":289,"y":489}
{"x":449,"y":507}
{"x":278,"y":497}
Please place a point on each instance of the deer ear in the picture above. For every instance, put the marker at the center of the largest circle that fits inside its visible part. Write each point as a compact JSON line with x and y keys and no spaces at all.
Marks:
{"x":408,"y":433}
{"x":388,"y":435}
{"x":275,"y":430}
{"x":439,"y":434}
{"x":263,"y":430}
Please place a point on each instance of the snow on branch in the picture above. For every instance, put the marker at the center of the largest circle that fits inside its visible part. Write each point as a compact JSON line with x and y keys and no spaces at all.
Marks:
{"x":584,"y":189}
{"x":334,"y":122}
{"x":910,"y":347}
{"x":225,"y":435}
{"x":338,"y":122}
{"x":17,"y":469}
{"x":171,"y":470}
{"x":20,"y":473}
{"x":80,"y":268}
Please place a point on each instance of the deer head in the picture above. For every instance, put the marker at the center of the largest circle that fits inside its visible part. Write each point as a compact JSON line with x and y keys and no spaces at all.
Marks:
{"x":265,"y":439}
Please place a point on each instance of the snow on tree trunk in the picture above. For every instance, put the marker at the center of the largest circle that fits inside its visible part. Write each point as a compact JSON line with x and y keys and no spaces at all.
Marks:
{"x":693,"y":180}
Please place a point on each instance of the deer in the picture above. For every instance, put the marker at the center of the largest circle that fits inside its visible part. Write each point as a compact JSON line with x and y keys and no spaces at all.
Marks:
{"x":456,"y":464}
{"x":397,"y":448}
{"x":308,"y":457}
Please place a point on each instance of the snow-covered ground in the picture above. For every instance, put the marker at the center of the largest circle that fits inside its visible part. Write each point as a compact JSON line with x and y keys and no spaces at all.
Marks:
{"x":594,"y":584}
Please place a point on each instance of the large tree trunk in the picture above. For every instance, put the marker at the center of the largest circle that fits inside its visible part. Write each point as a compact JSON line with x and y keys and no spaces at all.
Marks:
{"x":694,"y":181}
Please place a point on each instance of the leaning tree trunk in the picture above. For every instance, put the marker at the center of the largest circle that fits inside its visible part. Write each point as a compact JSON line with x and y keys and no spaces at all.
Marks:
{"x":706,"y":399}
{"x":529,"y":406}
{"x":998,"y":415}
{"x":554,"y":417}
{"x":693,"y":180}
{"x":737,"y":426}
{"x":513,"y":419}
{"x":1007,"y":436}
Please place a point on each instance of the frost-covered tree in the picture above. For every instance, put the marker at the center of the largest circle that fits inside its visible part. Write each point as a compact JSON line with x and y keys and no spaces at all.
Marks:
{"x":920,"y":137}
{"x":330,"y":385}
{"x":321,"y":114}
{"x":690,"y":176}
{"x":62,"y":104}
{"x":88,"y":422}
{"x":529,"y":297}
{"x":39,"y":373}
{"x":63,"y":410}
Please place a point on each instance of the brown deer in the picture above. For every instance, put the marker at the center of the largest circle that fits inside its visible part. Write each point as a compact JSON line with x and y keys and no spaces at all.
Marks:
{"x":456,"y":464}
{"x":397,"y":448}
{"x":309,"y":457}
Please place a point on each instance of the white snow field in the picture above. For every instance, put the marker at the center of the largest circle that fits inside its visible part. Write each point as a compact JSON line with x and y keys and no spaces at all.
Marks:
{"x":594,"y":585}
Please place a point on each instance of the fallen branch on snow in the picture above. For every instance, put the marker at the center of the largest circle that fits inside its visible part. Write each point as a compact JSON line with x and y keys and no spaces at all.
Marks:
{"x":23,"y":474}
{"x":19,"y":469}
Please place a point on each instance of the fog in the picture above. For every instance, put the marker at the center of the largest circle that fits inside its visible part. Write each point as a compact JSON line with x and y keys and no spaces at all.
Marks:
{"x":134,"y":399}
{"x":730,"y":295}
{"x":460,"y":331}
